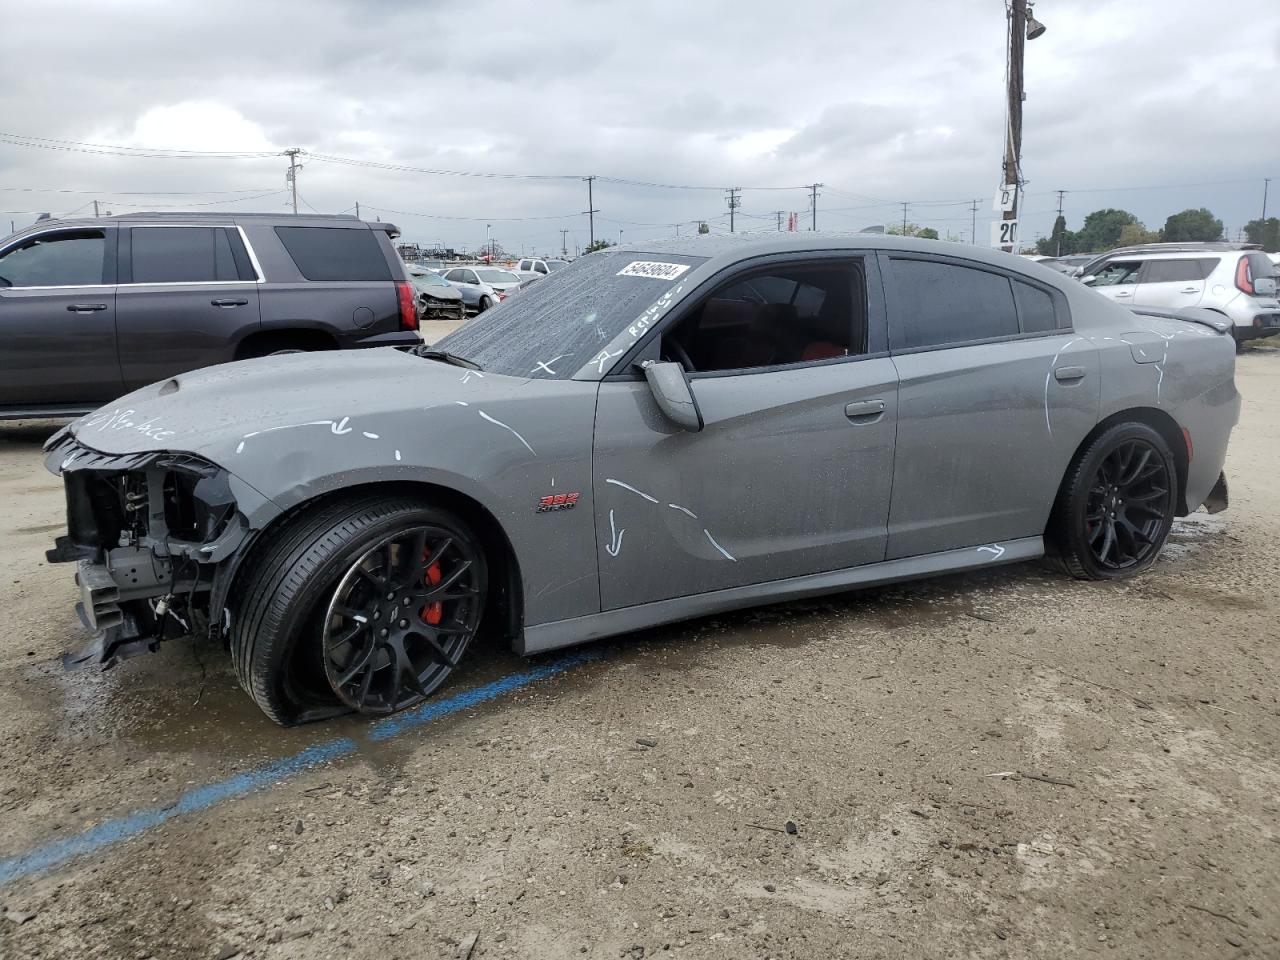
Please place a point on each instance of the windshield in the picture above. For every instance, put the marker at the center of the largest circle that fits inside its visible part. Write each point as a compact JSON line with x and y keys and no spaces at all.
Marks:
{"x":428,"y":279}
{"x":558,"y":324}
{"x":498,"y":276}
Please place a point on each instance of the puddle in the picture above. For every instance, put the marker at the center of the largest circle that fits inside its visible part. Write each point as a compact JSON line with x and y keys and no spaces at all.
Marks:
{"x":1189,"y":535}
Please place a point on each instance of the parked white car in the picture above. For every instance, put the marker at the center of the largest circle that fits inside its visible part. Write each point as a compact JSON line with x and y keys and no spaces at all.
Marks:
{"x":482,"y":286}
{"x":1240,"y":284}
{"x":530,"y":268}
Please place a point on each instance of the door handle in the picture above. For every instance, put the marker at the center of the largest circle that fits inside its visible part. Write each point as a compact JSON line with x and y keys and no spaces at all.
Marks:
{"x":864,"y":411}
{"x":1068,"y":374}
{"x":1123,"y":294}
{"x":229,"y":302}
{"x":1190,"y":289}
{"x":86,"y":307}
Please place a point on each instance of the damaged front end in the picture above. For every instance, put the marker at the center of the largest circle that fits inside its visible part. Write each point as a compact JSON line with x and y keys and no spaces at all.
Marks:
{"x":151,"y":533}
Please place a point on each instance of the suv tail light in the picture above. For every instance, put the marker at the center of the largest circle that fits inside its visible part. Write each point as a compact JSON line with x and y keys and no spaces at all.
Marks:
{"x":1244,"y":276}
{"x":408,"y":308}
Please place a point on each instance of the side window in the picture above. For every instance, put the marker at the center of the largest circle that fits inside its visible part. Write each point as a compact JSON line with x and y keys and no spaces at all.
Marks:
{"x":1035,"y":308}
{"x":790,"y":313}
{"x":181,"y":255}
{"x":1114,"y":274}
{"x":937,"y":303}
{"x":469,"y":276}
{"x":1171,"y":271}
{"x":335,"y":253}
{"x":72,"y":259}
{"x":540,"y":267}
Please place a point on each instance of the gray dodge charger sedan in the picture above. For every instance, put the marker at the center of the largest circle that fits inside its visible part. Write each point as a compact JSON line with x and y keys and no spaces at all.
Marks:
{"x":648,"y":434}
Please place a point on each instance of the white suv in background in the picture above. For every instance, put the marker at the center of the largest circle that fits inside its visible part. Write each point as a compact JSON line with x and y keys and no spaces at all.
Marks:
{"x":531,"y":268}
{"x":1240,"y":284}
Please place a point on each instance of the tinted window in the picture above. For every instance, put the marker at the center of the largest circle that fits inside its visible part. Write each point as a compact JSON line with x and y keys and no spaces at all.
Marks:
{"x":1169,"y":271}
{"x":56,"y":260}
{"x":794,"y":313}
{"x":937,"y":303}
{"x":568,"y":319}
{"x":1035,"y":308}
{"x":1114,"y":274}
{"x":181,"y":255}
{"x":335,"y":253}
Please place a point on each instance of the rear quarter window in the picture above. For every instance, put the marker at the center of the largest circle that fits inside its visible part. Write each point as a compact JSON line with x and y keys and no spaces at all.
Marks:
{"x":335,"y":253}
{"x":937,"y":303}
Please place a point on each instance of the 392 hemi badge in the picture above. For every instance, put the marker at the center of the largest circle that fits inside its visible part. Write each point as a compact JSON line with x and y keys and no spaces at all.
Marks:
{"x":558,"y":501}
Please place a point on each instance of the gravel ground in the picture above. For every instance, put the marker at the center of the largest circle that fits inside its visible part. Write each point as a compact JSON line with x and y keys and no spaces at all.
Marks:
{"x":1007,"y":764}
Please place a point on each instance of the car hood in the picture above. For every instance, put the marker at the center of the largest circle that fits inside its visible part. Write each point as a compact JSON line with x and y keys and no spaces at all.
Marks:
{"x":441,"y":293}
{"x":254,"y":408}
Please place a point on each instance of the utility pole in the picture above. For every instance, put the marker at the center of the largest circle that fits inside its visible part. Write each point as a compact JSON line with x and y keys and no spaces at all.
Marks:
{"x":973,"y":222}
{"x":357,"y":209}
{"x":778,"y":214}
{"x":813,"y":203}
{"x":564,"y":243}
{"x":1266,"y":183}
{"x":734,"y":203}
{"x":591,"y":211}
{"x":292,"y":176}
{"x":1022,"y":27}
{"x":1061,"y":195}
{"x":904,"y":218}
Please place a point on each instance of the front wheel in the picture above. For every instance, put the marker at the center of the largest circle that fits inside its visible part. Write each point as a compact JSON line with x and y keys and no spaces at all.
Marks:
{"x":1116,"y":505}
{"x":364,"y":605}
{"x":485,"y":304}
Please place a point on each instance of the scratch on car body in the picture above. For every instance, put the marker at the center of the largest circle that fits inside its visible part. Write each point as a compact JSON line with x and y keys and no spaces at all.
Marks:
{"x":1049,"y":376}
{"x":994,"y":549}
{"x":627,"y":486}
{"x":726,"y":553}
{"x":514,"y":431}
{"x":615,"y":547}
{"x":545,"y":365}
{"x":335,"y":427}
{"x":371,"y":436}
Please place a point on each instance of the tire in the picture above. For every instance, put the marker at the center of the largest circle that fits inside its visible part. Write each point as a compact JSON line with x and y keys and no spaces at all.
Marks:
{"x":1115,"y":507}
{"x":485,"y":304}
{"x":284,"y":625}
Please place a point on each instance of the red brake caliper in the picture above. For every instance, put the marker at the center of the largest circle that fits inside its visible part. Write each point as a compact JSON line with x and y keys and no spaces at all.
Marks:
{"x":433,"y":612}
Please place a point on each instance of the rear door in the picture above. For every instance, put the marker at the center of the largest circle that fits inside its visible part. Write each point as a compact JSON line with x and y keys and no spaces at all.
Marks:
{"x":995,"y":392}
{"x":187,"y":295}
{"x":57,"y":320}
{"x":1118,"y":280}
{"x":1173,"y":283}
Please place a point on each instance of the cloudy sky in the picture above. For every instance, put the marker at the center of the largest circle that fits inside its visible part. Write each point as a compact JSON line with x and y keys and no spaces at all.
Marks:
{"x":1150,"y":105}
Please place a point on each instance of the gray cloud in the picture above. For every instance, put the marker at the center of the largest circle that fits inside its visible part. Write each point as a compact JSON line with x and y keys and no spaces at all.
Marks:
{"x":873,"y":99}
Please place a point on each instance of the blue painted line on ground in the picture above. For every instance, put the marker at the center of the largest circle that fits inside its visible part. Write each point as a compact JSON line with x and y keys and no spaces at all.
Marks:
{"x":117,"y":830}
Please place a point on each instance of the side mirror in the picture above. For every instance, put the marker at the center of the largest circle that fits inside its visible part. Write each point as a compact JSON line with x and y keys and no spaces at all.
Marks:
{"x":670,"y":388}
{"x":1088,"y":281}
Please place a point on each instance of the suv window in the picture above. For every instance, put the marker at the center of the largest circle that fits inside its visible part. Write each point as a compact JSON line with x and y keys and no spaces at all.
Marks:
{"x":539,"y":266}
{"x":181,"y":255}
{"x":335,"y":253}
{"x":1114,"y":274}
{"x":941,"y":303}
{"x":71,"y":259}
{"x":789,"y":313}
{"x":1172,"y":271}
{"x":525,"y":265}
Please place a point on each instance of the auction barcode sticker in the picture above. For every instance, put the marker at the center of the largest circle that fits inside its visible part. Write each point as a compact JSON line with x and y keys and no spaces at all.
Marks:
{"x":649,"y":268}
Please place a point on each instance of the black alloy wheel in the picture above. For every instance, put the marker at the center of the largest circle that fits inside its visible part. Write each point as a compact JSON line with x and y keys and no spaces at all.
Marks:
{"x":1131,"y":494}
{"x":400,"y":619}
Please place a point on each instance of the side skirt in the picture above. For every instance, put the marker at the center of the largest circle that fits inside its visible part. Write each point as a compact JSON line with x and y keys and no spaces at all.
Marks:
{"x":564,"y":633}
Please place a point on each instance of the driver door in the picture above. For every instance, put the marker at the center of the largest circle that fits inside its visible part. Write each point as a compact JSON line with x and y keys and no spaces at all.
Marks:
{"x":791,"y":473}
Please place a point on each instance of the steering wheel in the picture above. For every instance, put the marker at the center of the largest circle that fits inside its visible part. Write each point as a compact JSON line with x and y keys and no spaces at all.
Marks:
{"x":681,"y":356}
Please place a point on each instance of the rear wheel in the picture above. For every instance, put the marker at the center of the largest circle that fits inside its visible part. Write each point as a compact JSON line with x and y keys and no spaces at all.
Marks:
{"x":485,"y":304}
{"x":364,"y":605}
{"x":1116,"y":505}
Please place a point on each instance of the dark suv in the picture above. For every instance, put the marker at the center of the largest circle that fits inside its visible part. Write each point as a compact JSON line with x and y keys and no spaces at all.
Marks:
{"x":92,"y":309}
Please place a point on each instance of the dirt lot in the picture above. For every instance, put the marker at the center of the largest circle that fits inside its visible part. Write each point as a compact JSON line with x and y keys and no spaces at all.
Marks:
{"x":824,"y":779}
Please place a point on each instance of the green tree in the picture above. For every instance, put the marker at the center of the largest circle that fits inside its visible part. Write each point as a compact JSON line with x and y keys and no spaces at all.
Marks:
{"x":912,"y":230}
{"x":1133,"y":234}
{"x":601,"y":244}
{"x":1265,"y":232}
{"x":1101,"y":230}
{"x":1057,"y":243}
{"x":1192,"y":225}
{"x":703,"y":228}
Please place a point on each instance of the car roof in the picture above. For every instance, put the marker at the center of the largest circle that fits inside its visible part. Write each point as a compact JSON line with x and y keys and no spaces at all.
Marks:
{"x":726,"y":249}
{"x":205,"y":216}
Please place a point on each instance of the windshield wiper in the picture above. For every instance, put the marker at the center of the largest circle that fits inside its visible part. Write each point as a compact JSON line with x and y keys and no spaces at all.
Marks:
{"x":443,"y":356}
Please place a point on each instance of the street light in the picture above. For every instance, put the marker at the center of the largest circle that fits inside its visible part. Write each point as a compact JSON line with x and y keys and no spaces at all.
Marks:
{"x":619,"y":238}
{"x":1034,"y":27}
